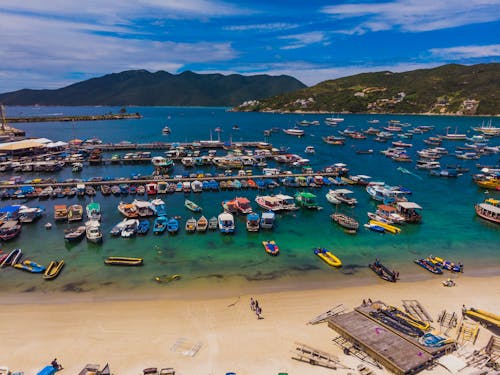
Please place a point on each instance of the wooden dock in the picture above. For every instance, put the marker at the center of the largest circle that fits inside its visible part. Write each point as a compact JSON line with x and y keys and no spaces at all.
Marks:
{"x":383,"y":345}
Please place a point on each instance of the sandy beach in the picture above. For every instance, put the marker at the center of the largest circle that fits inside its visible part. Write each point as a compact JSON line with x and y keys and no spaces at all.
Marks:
{"x":135,"y":334}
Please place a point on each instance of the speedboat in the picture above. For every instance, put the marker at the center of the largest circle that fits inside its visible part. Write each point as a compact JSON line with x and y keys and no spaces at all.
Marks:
{"x":253,"y":222}
{"x":130,"y":228}
{"x":294,"y":131}
{"x":226,"y":222}
{"x":191,"y":225}
{"x":75,"y":234}
{"x":93,"y":231}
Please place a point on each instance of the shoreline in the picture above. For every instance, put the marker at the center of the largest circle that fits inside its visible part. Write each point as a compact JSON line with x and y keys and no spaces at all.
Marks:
{"x":145,"y":333}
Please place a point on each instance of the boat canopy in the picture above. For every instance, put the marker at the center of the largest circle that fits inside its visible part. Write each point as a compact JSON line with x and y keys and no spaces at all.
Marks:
{"x":283,"y":197}
{"x":268,"y":215}
{"x":141,"y":204}
{"x":252,"y":216}
{"x":307,"y":195}
{"x":9,"y":224}
{"x":225,"y":216}
{"x":490,"y":207}
{"x":10,"y":209}
{"x":343,"y":191}
{"x":409,"y":205}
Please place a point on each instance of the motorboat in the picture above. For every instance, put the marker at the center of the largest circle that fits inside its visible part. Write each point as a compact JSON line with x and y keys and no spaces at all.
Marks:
{"x":294,"y":131}
{"x":343,"y":196}
{"x":306,"y":200}
{"x":202,"y":224}
{"x":191,"y":206}
{"x":75,"y":234}
{"x":212,"y":223}
{"x":158,"y":207}
{"x":267,"y":220}
{"x":226,"y":222}
{"x":160,"y":225}
{"x":143,"y":208}
{"x":93,"y":231}
{"x":191,"y":225}
{"x":345,"y":221}
{"x":9,"y":230}
{"x":253,"y":222}
{"x":383,"y":272}
{"x":130,"y":228}
{"x":128,"y":210}
{"x":60,"y":212}
{"x":143,"y":227}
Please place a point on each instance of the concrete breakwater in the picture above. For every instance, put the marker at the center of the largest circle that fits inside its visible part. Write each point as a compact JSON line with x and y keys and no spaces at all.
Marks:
{"x":119,"y":116}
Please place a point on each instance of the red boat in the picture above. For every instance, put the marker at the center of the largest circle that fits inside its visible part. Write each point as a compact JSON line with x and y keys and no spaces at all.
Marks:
{"x":10,"y":230}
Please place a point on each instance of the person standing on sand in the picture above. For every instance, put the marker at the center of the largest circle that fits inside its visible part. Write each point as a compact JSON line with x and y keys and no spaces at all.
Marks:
{"x":252,"y":304}
{"x":258,"y":311}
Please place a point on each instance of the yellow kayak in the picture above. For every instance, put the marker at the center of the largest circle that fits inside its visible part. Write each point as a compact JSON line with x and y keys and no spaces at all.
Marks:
{"x":328,"y":257}
{"x":390,"y":228}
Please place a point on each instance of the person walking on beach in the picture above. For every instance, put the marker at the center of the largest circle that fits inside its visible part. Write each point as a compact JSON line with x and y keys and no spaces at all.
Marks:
{"x":252,"y":304}
{"x":258,"y":311}
{"x":56,"y":365}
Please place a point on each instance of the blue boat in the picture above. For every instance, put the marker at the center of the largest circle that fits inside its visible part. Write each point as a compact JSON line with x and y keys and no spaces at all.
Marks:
{"x":326,"y":181}
{"x":160,"y":225}
{"x":214,"y":185}
{"x":260,"y":184}
{"x":143,"y":227}
{"x":172,"y":225}
{"x":205,"y":185}
{"x":47,"y":370}
{"x":429,"y":266}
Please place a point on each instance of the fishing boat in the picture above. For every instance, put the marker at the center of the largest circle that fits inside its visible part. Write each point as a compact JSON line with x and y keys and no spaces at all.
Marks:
{"x":387,"y":214}
{"x":60,"y":212}
{"x":93,"y":211}
{"x":130,"y":228}
{"x":226,"y":222}
{"x":123,"y":261}
{"x":75,"y":234}
{"x":202,"y":224}
{"x":344,"y":196}
{"x":345,"y":221}
{"x":190,"y":225}
{"x":294,"y":131}
{"x":389,"y":228}
{"x":410,"y":211}
{"x":9,"y":230}
{"x":267,"y":220}
{"x":306,"y":200}
{"x":212,"y":223}
{"x":143,"y":227}
{"x":158,"y":207}
{"x":429,"y":266}
{"x":191,"y":206}
{"x":383,"y":272}
{"x":13,"y":257}
{"x":160,"y":225}
{"x":253,"y":222}
{"x":328,"y":257}
{"x":53,"y":270}
{"x":128,"y":210}
{"x":75,"y":213}
{"x":488,"y":211}
{"x":93,"y":231}
{"x":172,"y":225}
{"x":271,"y":247}
{"x":333,"y":140}
{"x":30,"y":266}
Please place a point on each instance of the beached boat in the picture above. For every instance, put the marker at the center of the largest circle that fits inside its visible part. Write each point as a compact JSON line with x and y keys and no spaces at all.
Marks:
{"x":60,"y":212}
{"x":75,"y":234}
{"x":383,"y":272}
{"x":191,"y":206}
{"x":93,"y":231}
{"x":212,"y":223}
{"x":143,"y":227}
{"x":226,"y":222}
{"x":446,"y":264}
{"x":53,"y":270}
{"x":190,"y":225}
{"x":13,"y":257}
{"x":128,"y":210}
{"x":267,"y":220}
{"x":123,"y":261}
{"x":75,"y":213}
{"x":306,"y":200}
{"x":429,"y":266}
{"x":93,"y":211}
{"x":345,"y":221}
{"x":160,"y":225}
{"x":253,"y":222}
{"x":271,"y":247}
{"x":328,"y":257}
{"x":30,"y":266}
{"x":202,"y":224}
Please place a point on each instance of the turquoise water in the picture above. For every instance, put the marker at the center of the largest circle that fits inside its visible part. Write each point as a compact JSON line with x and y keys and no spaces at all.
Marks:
{"x":449,"y":229}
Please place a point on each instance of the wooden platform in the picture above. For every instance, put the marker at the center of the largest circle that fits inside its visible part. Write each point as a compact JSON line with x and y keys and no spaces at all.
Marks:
{"x":386,"y":347}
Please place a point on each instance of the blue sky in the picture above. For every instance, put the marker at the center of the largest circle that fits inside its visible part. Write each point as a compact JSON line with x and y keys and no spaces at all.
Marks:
{"x":50,"y":44}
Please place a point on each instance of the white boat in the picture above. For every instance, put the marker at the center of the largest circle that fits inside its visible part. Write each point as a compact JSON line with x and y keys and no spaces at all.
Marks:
{"x":487,"y":129}
{"x":196,"y":186}
{"x":226,"y":222}
{"x":294,"y":131}
{"x":287,"y":202}
{"x":158,"y":207}
{"x":166,"y":130}
{"x":426,"y":164}
{"x":267,"y":220}
{"x":344,"y":196}
{"x":253,"y":222}
{"x":143,"y":208}
{"x":269,"y":202}
{"x":454,"y":136}
{"x":130,"y":228}
{"x":332,"y":198}
{"x":93,"y":231}
{"x":310,"y":150}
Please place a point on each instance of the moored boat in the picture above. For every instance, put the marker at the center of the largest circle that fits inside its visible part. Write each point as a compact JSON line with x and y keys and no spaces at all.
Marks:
{"x":172,"y":225}
{"x":306,"y":200}
{"x":253,"y":222}
{"x":93,"y":211}
{"x":212,"y":223}
{"x":328,"y":257}
{"x":345,"y":221}
{"x":75,"y":234}
{"x":488,"y":212}
{"x":191,"y":225}
{"x":202,"y":224}
{"x":267,"y":220}
{"x":128,"y":210}
{"x":143,"y":227}
{"x":226,"y":222}
{"x":75,"y":213}
{"x":389,"y":228}
{"x":271,"y":247}
{"x":60,"y":212}
{"x":93,"y":231}
{"x":9,"y":230}
{"x":191,"y":206}
{"x":160,"y":225}
{"x":294,"y":131}
{"x":383,"y":272}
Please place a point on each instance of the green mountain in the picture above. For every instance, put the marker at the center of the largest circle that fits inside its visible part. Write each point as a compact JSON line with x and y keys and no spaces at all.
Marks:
{"x":140,"y":87}
{"x":448,"y":89}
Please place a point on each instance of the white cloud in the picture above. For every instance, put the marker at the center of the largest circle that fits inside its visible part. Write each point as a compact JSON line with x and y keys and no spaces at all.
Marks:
{"x":467,"y":52}
{"x":57,"y":48}
{"x":304,"y":39}
{"x":415,"y":15}
{"x":275,"y":26}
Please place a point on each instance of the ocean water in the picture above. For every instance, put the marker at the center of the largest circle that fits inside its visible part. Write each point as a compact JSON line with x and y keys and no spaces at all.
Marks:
{"x":212,"y":262}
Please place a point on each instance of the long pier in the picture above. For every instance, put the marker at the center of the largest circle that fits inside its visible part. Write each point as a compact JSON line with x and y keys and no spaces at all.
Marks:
{"x":167,"y":179}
